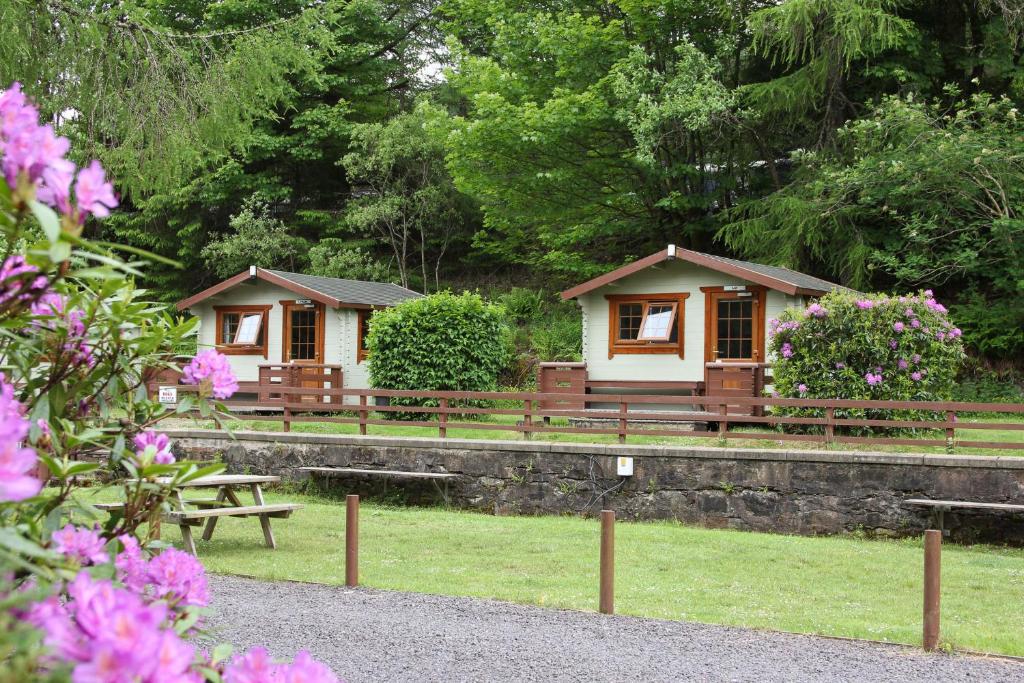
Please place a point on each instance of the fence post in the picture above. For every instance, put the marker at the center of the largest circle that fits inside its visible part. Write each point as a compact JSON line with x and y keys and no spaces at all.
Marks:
{"x":287,"y":419}
{"x":950,"y":431}
{"x":362,"y":415}
{"x":527,"y":419}
{"x":607,"y":601}
{"x":723,"y":423}
{"x":442,"y":418}
{"x":830,"y":428}
{"x":932,"y":588}
{"x":352,"y":541}
{"x":623,"y":409}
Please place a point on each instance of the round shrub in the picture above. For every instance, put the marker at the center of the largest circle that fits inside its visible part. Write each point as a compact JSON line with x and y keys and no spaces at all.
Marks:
{"x":862,"y":347}
{"x":441,"y":342}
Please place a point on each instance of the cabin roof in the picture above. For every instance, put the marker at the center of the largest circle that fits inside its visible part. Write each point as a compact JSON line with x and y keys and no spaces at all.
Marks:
{"x":331,"y":291}
{"x":773,"y":277}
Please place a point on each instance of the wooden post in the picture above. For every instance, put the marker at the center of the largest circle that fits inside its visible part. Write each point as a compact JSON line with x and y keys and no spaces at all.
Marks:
{"x":830,"y":428}
{"x":950,"y":431}
{"x":723,"y":424}
{"x":351,"y":541}
{"x":623,"y":409}
{"x":932,"y":587}
{"x":607,"y":602}
{"x":287,"y":419}
{"x":527,"y":419}
{"x":362,"y":415}
{"x":442,"y":418}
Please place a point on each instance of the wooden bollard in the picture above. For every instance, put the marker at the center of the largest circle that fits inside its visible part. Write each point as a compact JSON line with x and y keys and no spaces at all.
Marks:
{"x":932,"y":587}
{"x":607,"y":602}
{"x":352,"y":541}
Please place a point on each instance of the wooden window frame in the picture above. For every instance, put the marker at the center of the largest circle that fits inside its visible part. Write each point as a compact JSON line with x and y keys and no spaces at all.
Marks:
{"x":230,"y":349}
{"x":758,"y":294}
{"x":618,"y":346}
{"x":361,"y":352}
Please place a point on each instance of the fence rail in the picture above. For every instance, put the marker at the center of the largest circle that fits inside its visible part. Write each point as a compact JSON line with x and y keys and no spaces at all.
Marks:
{"x":642,"y":415}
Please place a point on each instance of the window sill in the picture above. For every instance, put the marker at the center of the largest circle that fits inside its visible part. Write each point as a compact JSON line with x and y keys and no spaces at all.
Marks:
{"x":242,"y":350}
{"x":624,"y":349}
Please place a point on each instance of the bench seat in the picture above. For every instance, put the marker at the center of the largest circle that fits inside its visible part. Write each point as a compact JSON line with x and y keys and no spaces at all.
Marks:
{"x":964,"y":504}
{"x":345,"y":471}
{"x":274,"y":510}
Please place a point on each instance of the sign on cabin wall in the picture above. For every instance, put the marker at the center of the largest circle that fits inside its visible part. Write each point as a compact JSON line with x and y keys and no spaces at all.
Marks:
{"x":168,"y":395}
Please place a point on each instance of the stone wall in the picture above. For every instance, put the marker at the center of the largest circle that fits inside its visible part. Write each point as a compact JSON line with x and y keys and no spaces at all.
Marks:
{"x":788,"y":491}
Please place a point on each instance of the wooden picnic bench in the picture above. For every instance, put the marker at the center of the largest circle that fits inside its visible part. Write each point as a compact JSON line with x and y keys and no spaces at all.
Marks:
{"x":225,"y":504}
{"x":433,"y":477}
{"x":940,"y":507}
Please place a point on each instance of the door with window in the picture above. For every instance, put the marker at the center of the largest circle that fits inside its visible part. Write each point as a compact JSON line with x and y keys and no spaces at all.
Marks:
{"x":303,"y":342}
{"x":735,"y":325}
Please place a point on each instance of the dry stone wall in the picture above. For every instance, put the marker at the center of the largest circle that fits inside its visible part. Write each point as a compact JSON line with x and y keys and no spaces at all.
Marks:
{"x":786,"y":491}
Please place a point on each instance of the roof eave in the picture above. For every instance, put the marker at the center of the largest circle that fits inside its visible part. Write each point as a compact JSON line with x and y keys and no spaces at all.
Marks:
{"x":261,"y":274}
{"x":617,"y":274}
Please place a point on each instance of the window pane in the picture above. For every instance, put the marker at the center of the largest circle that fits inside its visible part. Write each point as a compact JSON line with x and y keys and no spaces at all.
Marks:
{"x":723,"y":348}
{"x":747,"y":327}
{"x":734,"y":349}
{"x":630,"y":316}
{"x":303,"y":337}
{"x":248,"y":329}
{"x":229,"y":323}
{"x":745,"y":349}
{"x":734,"y":327}
{"x":659,"y":321}
{"x":723,"y":328}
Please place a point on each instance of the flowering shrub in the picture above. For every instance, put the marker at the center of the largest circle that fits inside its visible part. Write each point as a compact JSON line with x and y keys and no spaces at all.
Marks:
{"x":86,"y":596}
{"x":866,"y":348}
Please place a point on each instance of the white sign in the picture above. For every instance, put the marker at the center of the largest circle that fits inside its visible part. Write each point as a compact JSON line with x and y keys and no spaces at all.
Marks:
{"x":303,"y":301}
{"x":168,"y":395}
{"x":625,"y":466}
{"x":735,"y":288}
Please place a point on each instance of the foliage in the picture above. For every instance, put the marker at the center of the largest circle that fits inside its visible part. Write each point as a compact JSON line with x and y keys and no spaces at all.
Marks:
{"x":559,"y":337}
{"x":331,"y":258}
{"x":258,"y":239}
{"x":926,"y":196}
{"x":79,"y":342}
{"x":441,"y":342}
{"x":409,"y":200}
{"x":866,"y":348}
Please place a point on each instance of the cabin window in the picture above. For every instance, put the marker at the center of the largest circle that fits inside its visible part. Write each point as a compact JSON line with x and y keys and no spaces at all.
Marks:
{"x":241,"y":330}
{"x":646,"y":324}
{"x":364,"y":331}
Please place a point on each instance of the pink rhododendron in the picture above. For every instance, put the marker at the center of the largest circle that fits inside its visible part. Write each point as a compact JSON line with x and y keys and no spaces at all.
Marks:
{"x":802,"y":388}
{"x":177,"y":576}
{"x":211,"y":367}
{"x":817,"y":310}
{"x":865,"y":304}
{"x":916,"y":376}
{"x":873,"y":379}
{"x":86,"y":546}
{"x":93,"y":193}
{"x":256,"y":666}
{"x":20,"y":281}
{"x":17,"y":461}
{"x":787,"y":350}
{"x":151,"y":446}
{"x":897,"y":326}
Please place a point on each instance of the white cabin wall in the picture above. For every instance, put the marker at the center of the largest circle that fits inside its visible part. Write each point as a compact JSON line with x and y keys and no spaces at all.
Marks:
{"x":668,"y":278}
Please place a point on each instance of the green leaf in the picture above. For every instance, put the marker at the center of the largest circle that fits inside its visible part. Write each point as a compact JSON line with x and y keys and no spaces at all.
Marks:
{"x":48,"y":221}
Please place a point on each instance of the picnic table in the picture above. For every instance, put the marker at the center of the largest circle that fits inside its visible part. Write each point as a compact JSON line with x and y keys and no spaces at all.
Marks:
{"x":225,"y":503}
{"x":940,"y":507}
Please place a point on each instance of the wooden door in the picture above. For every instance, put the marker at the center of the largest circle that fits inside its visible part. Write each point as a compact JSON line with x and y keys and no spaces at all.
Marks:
{"x":303,"y":342}
{"x":734,"y":322}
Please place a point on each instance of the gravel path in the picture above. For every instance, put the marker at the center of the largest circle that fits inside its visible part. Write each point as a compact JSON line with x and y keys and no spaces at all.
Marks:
{"x":370,"y":635}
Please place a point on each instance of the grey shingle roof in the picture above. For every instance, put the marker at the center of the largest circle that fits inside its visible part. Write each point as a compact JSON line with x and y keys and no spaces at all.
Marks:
{"x":793,"y":277}
{"x":351,"y":291}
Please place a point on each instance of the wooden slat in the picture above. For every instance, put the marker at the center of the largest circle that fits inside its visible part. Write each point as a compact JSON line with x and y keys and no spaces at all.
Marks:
{"x":272,"y":510}
{"x":949,"y":504}
{"x":397,"y":474}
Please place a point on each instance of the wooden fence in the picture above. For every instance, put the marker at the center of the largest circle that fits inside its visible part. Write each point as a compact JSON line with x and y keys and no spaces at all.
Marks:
{"x":634,"y":415}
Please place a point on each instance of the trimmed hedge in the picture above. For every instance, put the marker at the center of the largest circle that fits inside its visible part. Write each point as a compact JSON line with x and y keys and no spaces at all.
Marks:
{"x":441,"y":342}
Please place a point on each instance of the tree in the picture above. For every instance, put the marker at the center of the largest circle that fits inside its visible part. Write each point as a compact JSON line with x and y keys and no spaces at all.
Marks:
{"x":406,"y":197}
{"x":333,"y":257}
{"x":258,"y":239}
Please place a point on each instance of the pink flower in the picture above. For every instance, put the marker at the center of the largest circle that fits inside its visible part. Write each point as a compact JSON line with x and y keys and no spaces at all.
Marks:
{"x":178,"y":577}
{"x":305,"y":669}
{"x":816,"y":310}
{"x":955,"y":332}
{"x":873,"y":379}
{"x":840,"y":366}
{"x":132,"y":568}
{"x":902,"y":364}
{"x":212,"y":368}
{"x":802,"y":388}
{"x":916,"y":376}
{"x":897,"y":326}
{"x":787,"y":350}
{"x":85,"y":546}
{"x":17,"y":462}
{"x":940,"y":336}
{"x":865,"y":304}
{"x":151,"y":446}
{"x":935,"y":306}
{"x":916,"y":358}
{"x":893,"y":344}
{"x":93,"y":194}
{"x":915,"y":323}
{"x":255,"y":666}
{"x":910,"y":313}
{"x":20,"y":281}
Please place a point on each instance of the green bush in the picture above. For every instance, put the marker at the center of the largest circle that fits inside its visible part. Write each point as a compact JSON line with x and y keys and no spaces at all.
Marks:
{"x":866,"y":348}
{"x":559,"y":337}
{"x":441,"y":342}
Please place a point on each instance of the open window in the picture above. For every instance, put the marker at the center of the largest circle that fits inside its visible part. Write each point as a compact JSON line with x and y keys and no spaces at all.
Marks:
{"x":646,"y":324}
{"x":241,"y":330}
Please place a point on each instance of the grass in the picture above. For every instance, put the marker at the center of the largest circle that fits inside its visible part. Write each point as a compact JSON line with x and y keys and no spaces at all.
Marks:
{"x":1012,"y":434}
{"x":839,"y":586}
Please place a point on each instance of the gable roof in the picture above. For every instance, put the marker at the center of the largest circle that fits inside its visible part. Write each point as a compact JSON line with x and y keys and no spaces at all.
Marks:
{"x":330,"y":291}
{"x":773,"y":277}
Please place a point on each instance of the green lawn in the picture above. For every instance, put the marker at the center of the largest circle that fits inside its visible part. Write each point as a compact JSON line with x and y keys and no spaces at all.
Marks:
{"x":840,"y":586}
{"x":1014,"y":433}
